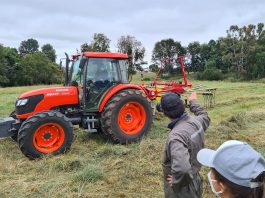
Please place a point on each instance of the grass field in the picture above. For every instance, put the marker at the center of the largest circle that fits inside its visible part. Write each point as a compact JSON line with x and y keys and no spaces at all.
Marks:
{"x":95,"y":167}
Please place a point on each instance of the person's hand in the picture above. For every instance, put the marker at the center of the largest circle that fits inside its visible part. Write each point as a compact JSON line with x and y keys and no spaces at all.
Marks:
{"x":170,"y":180}
{"x":192,"y":96}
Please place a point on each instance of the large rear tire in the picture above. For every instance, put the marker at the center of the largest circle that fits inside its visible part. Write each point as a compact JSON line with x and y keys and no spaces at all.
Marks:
{"x":127,"y":116}
{"x":47,"y":132}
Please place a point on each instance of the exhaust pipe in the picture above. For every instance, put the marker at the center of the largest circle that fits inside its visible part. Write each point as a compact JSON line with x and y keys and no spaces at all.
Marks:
{"x":66,"y":81}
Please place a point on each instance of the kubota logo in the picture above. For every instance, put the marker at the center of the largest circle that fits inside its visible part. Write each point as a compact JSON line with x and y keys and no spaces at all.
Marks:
{"x":52,"y":94}
{"x":62,"y":90}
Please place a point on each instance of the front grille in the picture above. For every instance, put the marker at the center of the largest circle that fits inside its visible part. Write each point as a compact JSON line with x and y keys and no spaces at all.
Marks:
{"x":30,"y":106}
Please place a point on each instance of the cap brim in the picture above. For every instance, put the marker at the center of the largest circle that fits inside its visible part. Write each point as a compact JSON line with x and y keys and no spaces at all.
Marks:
{"x":205,"y":157}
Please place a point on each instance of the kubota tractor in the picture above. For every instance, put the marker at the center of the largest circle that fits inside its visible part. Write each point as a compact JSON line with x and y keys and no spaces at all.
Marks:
{"x":97,"y":96}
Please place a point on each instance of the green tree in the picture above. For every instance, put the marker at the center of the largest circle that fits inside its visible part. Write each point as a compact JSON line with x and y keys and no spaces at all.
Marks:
{"x":153,"y":68}
{"x":99,"y":43}
{"x":194,"y":50}
{"x":28,"y":47}
{"x":131,"y":46}
{"x":242,"y":43}
{"x":226,"y":53}
{"x":12,"y":67}
{"x":205,"y":54}
{"x":257,"y":57}
{"x":86,"y":48}
{"x":216,"y":53}
{"x":165,"y":50}
{"x":240,"y":52}
{"x":260,"y":27}
{"x":3,"y":67}
{"x":49,"y":52}
{"x":37,"y":69}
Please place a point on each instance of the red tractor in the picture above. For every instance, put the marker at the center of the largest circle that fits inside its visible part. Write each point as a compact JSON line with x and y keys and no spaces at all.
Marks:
{"x":97,"y":96}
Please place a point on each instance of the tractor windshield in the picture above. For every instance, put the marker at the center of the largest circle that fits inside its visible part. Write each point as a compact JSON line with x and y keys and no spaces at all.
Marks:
{"x":102,"y":69}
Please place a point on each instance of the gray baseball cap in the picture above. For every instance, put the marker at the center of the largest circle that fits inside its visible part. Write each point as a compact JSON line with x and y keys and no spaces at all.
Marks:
{"x":236,"y":161}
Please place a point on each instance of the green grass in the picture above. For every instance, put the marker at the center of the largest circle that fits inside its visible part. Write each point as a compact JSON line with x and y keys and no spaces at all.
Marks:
{"x":95,"y":167}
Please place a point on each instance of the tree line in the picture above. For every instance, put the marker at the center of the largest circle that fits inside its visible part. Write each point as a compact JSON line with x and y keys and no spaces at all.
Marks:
{"x":28,"y":65}
{"x":241,"y":54}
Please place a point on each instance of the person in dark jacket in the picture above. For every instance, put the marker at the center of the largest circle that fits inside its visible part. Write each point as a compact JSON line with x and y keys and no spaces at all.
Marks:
{"x":186,"y":138}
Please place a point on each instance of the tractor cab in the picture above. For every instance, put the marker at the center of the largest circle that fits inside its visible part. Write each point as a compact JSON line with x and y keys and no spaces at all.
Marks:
{"x":94,"y":74}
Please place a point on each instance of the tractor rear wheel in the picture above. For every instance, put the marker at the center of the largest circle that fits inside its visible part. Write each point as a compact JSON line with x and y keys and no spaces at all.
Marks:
{"x":127,"y":116}
{"x":47,"y":132}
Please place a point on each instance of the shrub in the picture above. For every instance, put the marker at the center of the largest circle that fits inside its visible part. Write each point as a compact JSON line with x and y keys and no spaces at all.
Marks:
{"x":210,"y":74}
{"x":147,"y":79}
{"x":165,"y":76}
{"x":233,"y":77}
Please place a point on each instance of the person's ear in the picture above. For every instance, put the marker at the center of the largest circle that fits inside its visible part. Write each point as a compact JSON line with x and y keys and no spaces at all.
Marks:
{"x":222,"y":186}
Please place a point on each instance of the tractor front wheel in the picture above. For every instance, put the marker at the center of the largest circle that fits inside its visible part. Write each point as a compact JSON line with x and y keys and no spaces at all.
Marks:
{"x":47,"y":132}
{"x":127,"y":116}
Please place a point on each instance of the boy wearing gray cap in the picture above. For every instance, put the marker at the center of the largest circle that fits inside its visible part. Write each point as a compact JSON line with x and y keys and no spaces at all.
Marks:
{"x":237,"y":170}
{"x":186,"y":138}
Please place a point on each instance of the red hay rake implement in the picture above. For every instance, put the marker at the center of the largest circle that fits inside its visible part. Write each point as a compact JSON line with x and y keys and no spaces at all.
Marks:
{"x":160,"y":87}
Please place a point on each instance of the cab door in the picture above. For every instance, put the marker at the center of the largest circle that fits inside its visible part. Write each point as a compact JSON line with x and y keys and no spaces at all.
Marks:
{"x":101,"y":75}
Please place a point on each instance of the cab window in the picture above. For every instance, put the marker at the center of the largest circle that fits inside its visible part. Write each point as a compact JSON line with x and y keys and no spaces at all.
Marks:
{"x":124,"y":70}
{"x":76,"y":73}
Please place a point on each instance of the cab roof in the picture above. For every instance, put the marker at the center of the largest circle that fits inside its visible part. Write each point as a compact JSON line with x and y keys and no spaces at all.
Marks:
{"x":105,"y":55}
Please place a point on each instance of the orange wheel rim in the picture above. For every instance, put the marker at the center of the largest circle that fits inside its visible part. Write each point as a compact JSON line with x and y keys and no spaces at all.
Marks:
{"x":48,"y":137}
{"x":132,"y":118}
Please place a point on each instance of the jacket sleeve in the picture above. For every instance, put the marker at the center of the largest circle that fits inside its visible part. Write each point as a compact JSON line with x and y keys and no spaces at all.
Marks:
{"x":200,"y":113}
{"x":180,"y":164}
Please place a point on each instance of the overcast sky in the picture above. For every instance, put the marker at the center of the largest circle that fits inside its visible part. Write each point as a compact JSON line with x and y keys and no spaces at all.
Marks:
{"x":67,"y":24}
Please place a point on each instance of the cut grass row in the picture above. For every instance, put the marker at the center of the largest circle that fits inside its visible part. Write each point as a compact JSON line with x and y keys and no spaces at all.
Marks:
{"x":95,"y":167}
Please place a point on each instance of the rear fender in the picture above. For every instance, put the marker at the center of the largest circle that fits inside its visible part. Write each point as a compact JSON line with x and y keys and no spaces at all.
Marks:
{"x":115,"y":90}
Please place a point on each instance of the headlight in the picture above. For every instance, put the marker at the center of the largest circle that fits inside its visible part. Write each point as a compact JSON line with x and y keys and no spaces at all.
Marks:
{"x":22,"y":102}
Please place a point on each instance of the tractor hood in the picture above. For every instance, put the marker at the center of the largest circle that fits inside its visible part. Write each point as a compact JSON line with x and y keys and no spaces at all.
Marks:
{"x":40,"y":100}
{"x":51,"y":92}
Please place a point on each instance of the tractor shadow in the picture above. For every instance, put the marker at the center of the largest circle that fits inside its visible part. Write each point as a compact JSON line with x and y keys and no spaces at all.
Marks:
{"x":84,"y":137}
